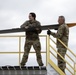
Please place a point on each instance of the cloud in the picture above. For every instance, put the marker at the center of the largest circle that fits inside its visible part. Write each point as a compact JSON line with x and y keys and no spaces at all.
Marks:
{"x":14,"y":12}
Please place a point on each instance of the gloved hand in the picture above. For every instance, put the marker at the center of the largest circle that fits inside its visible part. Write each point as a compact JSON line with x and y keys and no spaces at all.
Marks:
{"x":48,"y":32}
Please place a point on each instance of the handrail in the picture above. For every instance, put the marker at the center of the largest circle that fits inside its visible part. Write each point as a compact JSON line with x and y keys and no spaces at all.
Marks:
{"x":70,"y":52}
{"x":69,"y":71}
{"x":19,"y":52}
{"x":55,"y":67}
{"x":19,"y":36}
{"x":66,"y":55}
{"x":49,"y":60}
{"x":56,"y":58}
{"x":62,"y":57}
{"x":66,"y":47}
{"x":69,"y":57}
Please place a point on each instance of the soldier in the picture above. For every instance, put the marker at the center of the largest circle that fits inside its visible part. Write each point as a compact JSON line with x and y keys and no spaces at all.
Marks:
{"x":32,"y":38}
{"x":63,"y":35}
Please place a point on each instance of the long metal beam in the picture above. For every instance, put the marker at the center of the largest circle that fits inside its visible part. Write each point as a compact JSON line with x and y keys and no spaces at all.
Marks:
{"x":44,"y":27}
{"x":13,"y":30}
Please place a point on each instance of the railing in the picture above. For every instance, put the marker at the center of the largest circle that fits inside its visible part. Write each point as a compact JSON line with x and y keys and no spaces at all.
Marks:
{"x":19,"y":52}
{"x":68,"y":63}
{"x":49,"y":60}
{"x":48,"y":53}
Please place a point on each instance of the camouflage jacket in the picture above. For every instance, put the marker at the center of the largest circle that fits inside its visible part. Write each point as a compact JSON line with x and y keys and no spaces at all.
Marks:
{"x":62,"y":34}
{"x":32,"y":35}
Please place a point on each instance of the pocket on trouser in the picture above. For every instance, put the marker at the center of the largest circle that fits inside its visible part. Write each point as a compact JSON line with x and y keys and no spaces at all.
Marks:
{"x":37,"y":45}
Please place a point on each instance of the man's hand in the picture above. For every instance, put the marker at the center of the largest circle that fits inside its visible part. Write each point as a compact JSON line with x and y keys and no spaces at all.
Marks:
{"x":48,"y":32}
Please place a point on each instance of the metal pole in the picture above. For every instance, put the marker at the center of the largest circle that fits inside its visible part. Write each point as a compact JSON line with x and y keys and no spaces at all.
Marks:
{"x":48,"y":48}
{"x":19,"y":50}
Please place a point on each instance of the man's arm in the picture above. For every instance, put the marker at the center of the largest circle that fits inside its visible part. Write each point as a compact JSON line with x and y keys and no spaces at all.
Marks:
{"x":24,"y":25}
{"x":38,"y":27}
{"x":59,"y":33}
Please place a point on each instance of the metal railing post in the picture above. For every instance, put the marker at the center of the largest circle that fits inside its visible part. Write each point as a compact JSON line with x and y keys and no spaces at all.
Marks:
{"x":19,"y":50}
{"x":48,"y":49}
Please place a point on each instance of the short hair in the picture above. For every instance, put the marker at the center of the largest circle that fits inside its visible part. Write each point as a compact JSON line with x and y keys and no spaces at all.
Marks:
{"x":62,"y":17}
{"x":33,"y":15}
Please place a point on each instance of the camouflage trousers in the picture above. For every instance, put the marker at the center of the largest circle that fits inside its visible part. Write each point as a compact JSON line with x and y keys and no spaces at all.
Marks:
{"x":37,"y":46}
{"x":61,"y":62}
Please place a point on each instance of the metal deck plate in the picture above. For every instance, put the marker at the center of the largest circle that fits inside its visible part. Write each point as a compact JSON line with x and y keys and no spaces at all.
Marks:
{"x":16,"y":70}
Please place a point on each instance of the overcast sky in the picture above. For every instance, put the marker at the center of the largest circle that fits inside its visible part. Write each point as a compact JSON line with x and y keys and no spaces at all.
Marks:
{"x":13,"y":13}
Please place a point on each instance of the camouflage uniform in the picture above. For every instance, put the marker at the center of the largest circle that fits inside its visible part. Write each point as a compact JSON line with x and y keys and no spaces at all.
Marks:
{"x":32,"y":38}
{"x":62,"y":34}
